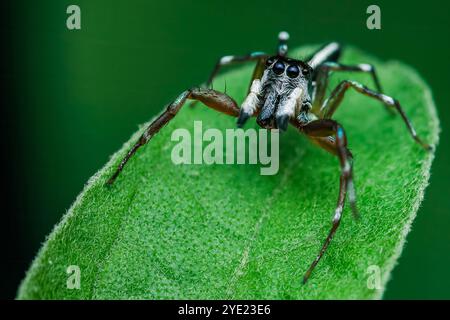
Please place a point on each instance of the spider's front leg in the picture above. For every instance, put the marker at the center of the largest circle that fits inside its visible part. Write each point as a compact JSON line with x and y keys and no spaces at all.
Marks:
{"x":335,"y":99}
{"x":229,"y":60}
{"x":259,"y":57}
{"x":326,"y":128}
{"x":211,"y":98}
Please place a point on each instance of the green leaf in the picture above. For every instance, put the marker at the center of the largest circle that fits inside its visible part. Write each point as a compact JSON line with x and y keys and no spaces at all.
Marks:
{"x":223,"y":231}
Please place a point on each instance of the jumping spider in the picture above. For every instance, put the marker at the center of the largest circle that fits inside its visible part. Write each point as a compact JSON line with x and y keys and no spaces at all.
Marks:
{"x":284,"y":90}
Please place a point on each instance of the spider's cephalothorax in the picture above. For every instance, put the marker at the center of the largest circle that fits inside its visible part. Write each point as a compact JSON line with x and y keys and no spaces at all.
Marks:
{"x":279,"y":94}
{"x":283,"y":91}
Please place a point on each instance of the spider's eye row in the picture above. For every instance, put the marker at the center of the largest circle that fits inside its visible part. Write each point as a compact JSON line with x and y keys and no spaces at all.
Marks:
{"x":278,"y":67}
{"x":293,"y":71}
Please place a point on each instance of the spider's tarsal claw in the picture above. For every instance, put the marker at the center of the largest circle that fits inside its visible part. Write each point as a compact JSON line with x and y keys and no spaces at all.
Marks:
{"x":111,"y":180}
{"x":243,"y":117}
{"x":426,"y":146}
{"x":282,"y":122}
{"x":306,"y":277}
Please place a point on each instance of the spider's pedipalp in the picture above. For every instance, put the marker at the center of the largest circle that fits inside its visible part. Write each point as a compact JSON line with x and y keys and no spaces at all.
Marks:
{"x":287,"y":108}
{"x":250,"y":104}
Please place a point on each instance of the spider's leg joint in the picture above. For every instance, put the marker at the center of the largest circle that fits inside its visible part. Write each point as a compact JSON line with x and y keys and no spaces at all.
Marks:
{"x":226,"y":60}
{"x":337,"y":215}
{"x":364,"y":67}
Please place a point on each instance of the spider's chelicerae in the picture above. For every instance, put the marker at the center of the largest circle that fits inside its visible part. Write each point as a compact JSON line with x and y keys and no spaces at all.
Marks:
{"x":284,"y":90}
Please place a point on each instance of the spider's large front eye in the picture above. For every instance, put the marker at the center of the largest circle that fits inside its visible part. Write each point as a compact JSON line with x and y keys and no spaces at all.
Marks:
{"x":278,"y":68}
{"x":293,"y":71}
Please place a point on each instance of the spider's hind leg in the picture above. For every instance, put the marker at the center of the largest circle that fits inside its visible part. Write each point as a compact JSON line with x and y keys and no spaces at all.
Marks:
{"x":211,"y":98}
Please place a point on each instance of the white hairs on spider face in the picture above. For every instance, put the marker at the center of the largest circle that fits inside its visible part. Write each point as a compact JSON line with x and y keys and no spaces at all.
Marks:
{"x":289,"y":106}
{"x":251,"y":101}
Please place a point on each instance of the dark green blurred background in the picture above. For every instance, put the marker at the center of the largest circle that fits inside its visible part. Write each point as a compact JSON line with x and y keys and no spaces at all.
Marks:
{"x":76,"y":96}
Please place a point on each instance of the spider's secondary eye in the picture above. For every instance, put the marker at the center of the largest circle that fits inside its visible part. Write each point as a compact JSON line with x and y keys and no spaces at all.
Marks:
{"x":278,"y":68}
{"x":293,"y":71}
{"x":306,"y":71}
{"x":269,"y":62}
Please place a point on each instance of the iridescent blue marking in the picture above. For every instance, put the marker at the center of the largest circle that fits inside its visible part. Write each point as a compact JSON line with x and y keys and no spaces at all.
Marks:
{"x":340,"y":133}
{"x":257,"y":53}
{"x":181,"y":97}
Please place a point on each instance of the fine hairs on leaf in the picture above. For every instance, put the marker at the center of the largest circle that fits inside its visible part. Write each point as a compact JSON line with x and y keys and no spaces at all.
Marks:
{"x":166,"y":231}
